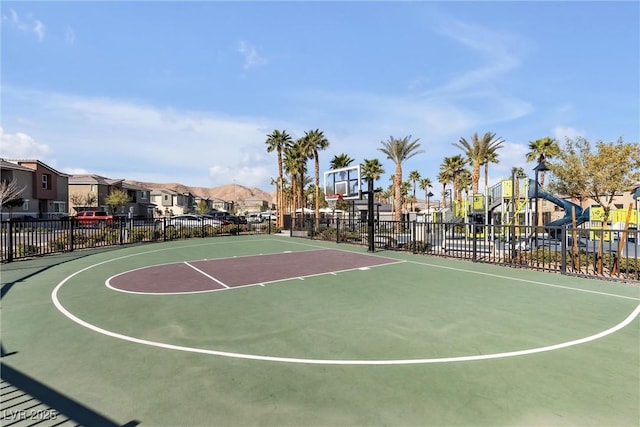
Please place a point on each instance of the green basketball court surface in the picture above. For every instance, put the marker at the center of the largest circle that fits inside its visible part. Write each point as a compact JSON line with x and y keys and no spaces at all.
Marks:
{"x":270,"y":330}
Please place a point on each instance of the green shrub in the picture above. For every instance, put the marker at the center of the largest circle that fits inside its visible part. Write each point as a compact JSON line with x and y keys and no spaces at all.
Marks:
{"x":59,"y":244}
{"x":24,"y":249}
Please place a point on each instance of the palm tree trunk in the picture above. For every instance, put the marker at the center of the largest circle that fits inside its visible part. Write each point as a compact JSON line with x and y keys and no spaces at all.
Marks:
{"x":280,"y":195}
{"x":317,"y":190}
{"x":397,"y":199}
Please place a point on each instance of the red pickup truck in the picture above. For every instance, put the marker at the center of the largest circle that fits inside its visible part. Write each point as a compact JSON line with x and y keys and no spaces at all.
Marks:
{"x":99,"y":218}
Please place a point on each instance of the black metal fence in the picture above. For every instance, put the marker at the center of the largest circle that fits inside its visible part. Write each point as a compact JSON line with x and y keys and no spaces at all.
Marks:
{"x":583,"y":252}
{"x":21,"y":239}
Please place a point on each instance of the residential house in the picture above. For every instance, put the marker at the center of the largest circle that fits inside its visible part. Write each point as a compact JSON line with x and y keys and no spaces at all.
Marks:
{"x":44,"y":189}
{"x":139,"y":205}
{"x":169,"y":202}
{"x":90,"y":192}
{"x":199,"y":200}
{"x":221,"y":205}
{"x":254,"y":205}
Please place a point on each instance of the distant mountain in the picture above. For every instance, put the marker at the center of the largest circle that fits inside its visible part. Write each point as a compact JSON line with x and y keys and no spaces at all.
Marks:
{"x":229,"y":192}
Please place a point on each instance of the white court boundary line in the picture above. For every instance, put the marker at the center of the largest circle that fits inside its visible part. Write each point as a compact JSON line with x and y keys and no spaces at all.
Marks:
{"x":72,"y":317}
{"x":206,"y":274}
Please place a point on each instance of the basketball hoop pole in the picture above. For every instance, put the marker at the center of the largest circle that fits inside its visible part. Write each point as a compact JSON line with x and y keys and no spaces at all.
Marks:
{"x":370,"y":222}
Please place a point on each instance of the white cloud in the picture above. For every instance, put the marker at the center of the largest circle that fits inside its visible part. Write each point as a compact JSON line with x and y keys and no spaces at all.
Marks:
{"x":561,"y":133}
{"x":21,"y":146}
{"x":28,"y":24}
{"x":251,"y":56}
{"x":38,"y":29}
{"x":120,"y":139}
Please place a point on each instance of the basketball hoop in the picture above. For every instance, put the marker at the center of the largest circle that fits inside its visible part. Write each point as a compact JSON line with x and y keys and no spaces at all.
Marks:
{"x":340,"y":197}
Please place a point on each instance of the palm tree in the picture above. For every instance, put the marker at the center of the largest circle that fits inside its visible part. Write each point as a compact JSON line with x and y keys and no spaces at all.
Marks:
{"x":313,"y":142}
{"x":278,"y":141}
{"x":372,"y":168}
{"x":295,"y":163}
{"x":490,"y":156}
{"x":406,"y":198}
{"x":399,"y":150}
{"x":476,"y":153}
{"x":541,"y":150}
{"x":452,"y":167}
{"x":425,"y":185}
{"x":414,"y":176}
{"x":463,"y":183}
{"x":444,"y":177}
{"x":340,"y":161}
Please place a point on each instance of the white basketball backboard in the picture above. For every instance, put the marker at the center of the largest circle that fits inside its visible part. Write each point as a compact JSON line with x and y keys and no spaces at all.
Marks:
{"x":345,"y":183}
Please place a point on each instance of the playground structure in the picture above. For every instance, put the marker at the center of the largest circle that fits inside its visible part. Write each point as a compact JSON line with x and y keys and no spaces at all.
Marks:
{"x":515,"y":207}
{"x":513,"y":203}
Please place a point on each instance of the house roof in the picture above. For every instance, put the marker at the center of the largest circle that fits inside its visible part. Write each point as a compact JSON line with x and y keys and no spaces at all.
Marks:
{"x":162,"y":190}
{"x":130,"y":186}
{"x":93,"y":179}
{"x":19,"y":162}
{"x":5,"y":164}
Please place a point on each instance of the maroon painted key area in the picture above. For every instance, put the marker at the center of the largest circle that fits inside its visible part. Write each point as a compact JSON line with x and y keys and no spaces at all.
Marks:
{"x":218,"y":274}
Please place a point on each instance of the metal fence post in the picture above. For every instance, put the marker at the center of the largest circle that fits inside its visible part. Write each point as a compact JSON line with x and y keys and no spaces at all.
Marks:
{"x":9,"y":241}
{"x":474,"y":242}
{"x":72,"y":237}
{"x":563,"y":249}
{"x":414,"y":240}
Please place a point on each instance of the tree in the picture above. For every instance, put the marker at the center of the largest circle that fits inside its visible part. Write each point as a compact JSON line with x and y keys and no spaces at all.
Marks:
{"x":313,"y":142}
{"x":451,"y":167}
{"x":83,"y":200}
{"x":117,"y":198}
{"x":444,"y":177}
{"x":10,"y":194}
{"x":479,"y":151}
{"x":414,"y":176}
{"x":463,"y":183}
{"x":371,"y":168}
{"x":340,"y":161}
{"x":398,"y":151}
{"x":584,"y":173}
{"x":295,"y":163}
{"x":541,"y":150}
{"x":202,"y":207}
{"x":277,"y":141}
{"x":425,"y":185}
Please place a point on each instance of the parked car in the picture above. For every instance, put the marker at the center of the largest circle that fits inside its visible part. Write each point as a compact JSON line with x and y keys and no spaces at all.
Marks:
{"x":226,"y":216}
{"x":255,"y":218}
{"x":268,"y":216}
{"x":93,"y":218}
{"x":193,"y":220}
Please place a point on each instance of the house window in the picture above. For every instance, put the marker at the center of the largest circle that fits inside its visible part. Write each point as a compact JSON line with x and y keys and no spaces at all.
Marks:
{"x":59,"y":207}
{"x":25,"y":205}
{"x":93,"y":188}
{"x":46,"y":180}
{"x":143,"y":195}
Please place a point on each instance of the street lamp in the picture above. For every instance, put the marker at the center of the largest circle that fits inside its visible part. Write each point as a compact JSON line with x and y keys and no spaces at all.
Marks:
{"x":429,"y":216}
{"x":429,"y":195}
{"x":541,"y":167}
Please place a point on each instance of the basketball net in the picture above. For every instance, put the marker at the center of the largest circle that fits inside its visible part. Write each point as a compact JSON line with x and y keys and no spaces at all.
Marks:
{"x":334,"y":202}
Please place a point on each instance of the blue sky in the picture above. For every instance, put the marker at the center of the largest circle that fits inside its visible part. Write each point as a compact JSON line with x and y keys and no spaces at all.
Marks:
{"x":187,"y":91}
